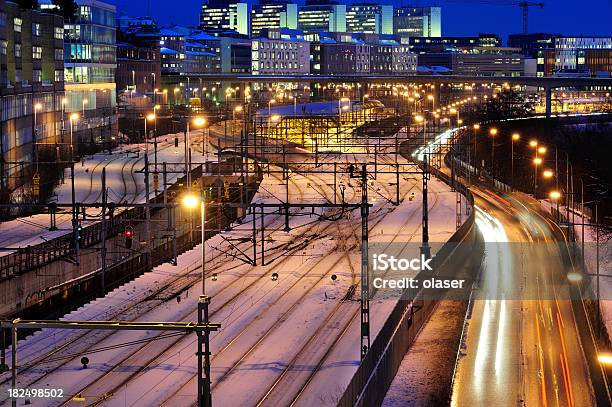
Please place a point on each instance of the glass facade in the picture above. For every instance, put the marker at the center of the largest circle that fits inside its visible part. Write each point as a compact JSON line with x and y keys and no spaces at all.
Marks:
{"x":90,"y":58}
{"x":89,"y":45}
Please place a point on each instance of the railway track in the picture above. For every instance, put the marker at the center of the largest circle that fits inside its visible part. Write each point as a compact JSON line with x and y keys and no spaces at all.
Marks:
{"x":177,"y":284}
{"x":190,"y":315}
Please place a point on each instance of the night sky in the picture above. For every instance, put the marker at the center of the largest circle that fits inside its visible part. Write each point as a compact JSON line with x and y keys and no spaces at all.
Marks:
{"x":459,"y":17}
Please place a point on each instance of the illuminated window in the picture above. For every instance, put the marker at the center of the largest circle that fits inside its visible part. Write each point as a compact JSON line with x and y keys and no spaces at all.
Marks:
{"x":17,"y":24}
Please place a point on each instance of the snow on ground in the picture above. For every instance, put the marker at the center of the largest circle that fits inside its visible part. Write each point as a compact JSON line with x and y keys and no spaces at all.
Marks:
{"x":272,"y":330}
{"x":422,"y":380}
{"x":125,"y":183}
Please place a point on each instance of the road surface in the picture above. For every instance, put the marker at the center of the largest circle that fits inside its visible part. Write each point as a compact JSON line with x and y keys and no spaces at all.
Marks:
{"x":522,"y":345}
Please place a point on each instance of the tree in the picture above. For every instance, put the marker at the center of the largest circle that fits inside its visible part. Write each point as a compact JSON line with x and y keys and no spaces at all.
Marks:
{"x":67,"y":9}
{"x":507,"y":104}
{"x":28,"y":4}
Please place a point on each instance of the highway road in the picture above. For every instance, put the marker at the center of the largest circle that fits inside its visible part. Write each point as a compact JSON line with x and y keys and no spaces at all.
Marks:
{"x":522,"y":345}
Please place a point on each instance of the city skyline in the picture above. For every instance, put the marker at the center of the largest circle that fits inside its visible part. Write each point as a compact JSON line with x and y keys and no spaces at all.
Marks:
{"x":562,"y":18}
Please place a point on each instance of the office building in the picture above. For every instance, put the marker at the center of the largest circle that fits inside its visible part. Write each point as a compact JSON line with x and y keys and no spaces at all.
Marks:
{"x":90,"y":63}
{"x":322,"y":16}
{"x":233,"y":50}
{"x":532,"y":43}
{"x":369,"y":18}
{"x":571,"y":52}
{"x":440,"y":44}
{"x":280,"y":51}
{"x":478,"y":61}
{"x":418,"y":21}
{"x":31,"y":86}
{"x":225,"y":15}
{"x":136,"y":67}
{"x":273,"y":14}
{"x":388,"y":55}
{"x":200,"y":59}
{"x":338,"y":54}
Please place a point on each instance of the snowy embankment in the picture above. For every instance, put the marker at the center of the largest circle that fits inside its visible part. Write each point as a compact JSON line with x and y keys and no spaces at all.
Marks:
{"x":125,"y":181}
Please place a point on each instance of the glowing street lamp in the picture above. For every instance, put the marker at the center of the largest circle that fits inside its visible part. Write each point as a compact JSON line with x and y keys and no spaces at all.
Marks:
{"x":73,"y":118}
{"x":555,"y":195}
{"x":270,"y":103}
{"x":547,"y":174}
{"x":191,"y":202}
{"x":493,"y":132}
{"x":201,"y":122}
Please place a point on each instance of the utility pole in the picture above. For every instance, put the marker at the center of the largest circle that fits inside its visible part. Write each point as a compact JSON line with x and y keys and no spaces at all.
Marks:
{"x":365,"y":275}
{"x":202,"y":329}
{"x":425,"y":249}
{"x":103,"y":243}
{"x":147,"y":212}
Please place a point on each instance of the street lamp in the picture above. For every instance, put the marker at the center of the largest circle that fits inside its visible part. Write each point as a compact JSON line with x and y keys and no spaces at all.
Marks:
{"x":270,"y":102}
{"x":201,"y":122}
{"x":493,"y":132}
{"x":149,"y":117}
{"x":191,"y":201}
{"x":547,"y":174}
{"x":515,"y":137}
{"x":73,"y":118}
{"x":433,"y":102}
{"x":476,"y":127}
{"x":555,"y":195}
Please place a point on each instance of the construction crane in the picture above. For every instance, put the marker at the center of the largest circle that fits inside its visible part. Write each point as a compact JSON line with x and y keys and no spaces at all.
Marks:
{"x":523,"y":5}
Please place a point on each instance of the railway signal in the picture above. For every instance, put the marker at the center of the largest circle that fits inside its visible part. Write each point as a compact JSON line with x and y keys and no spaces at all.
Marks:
{"x":129,"y":235}
{"x":79,"y":232}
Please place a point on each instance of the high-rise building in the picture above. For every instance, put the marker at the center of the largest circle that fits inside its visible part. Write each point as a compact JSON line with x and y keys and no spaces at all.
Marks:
{"x":418,"y":21}
{"x":225,"y":15}
{"x":322,"y":16}
{"x":273,"y":14}
{"x":90,"y":62}
{"x":280,"y":51}
{"x":31,"y":92}
{"x":369,"y":18}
